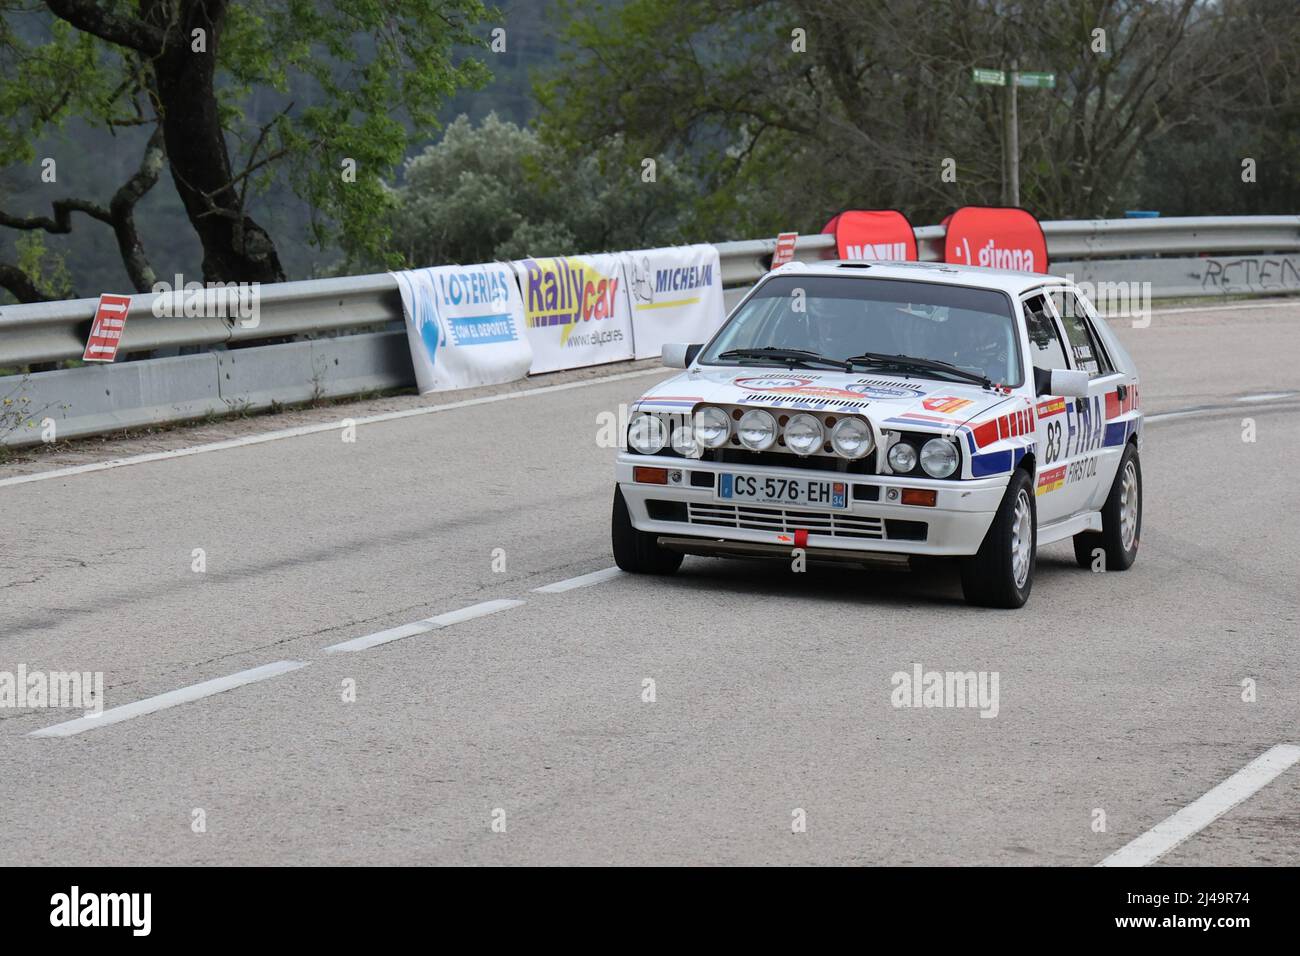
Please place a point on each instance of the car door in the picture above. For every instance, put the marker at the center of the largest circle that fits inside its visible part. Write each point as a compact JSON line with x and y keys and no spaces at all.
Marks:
{"x":1052,"y":413}
{"x":1112,"y":399}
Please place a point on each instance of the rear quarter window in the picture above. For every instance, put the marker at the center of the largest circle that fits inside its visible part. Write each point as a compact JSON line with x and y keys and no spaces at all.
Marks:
{"x":1089,"y":354}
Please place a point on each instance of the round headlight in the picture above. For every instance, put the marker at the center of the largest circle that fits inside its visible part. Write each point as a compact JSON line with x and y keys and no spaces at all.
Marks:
{"x":902,"y":457}
{"x":712,"y":427}
{"x":851,"y":438}
{"x":938,"y":458}
{"x":684,"y":442}
{"x":757,"y":430}
{"x":647,"y":434}
{"x":803,"y":434}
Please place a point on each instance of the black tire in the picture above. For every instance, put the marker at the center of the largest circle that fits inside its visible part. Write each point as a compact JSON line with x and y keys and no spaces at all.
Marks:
{"x":1116,"y":527}
{"x":638,"y":552}
{"x":989,"y":578}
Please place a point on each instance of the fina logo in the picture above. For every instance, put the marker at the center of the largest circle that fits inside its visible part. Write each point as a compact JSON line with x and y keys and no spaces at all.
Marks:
{"x":766,"y":383}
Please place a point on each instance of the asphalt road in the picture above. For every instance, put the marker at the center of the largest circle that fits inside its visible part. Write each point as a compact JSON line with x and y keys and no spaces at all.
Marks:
{"x":1118,"y":693}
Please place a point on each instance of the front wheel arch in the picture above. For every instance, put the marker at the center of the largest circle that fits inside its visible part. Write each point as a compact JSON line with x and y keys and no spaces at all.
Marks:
{"x":990,"y":578}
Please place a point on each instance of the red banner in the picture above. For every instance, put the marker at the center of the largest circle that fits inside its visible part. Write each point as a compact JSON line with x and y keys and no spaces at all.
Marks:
{"x":872,"y":234}
{"x":997,"y":237}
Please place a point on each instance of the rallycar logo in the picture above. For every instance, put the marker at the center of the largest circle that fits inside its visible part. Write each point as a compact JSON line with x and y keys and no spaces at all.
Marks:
{"x":566,"y":291}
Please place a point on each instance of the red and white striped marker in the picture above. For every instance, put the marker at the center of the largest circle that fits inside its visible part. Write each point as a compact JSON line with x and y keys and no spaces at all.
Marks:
{"x":106,"y":331}
{"x":784,"y":248}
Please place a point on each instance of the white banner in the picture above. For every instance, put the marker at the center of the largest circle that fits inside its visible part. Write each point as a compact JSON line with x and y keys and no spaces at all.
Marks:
{"x":575,"y":310}
{"x":464,"y":325}
{"x":676,"y":296}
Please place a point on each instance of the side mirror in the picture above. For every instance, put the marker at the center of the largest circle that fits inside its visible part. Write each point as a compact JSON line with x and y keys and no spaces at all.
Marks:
{"x":680,"y":356}
{"x":1068,"y":383}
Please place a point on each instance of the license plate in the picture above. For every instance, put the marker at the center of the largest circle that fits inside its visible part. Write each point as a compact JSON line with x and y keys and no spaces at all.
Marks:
{"x":783,"y":491}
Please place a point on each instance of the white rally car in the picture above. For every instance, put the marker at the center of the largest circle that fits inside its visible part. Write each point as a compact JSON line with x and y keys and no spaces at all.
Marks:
{"x":872,"y":412}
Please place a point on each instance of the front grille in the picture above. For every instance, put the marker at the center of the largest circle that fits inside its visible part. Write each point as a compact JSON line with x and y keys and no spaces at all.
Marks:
{"x":781,"y":520}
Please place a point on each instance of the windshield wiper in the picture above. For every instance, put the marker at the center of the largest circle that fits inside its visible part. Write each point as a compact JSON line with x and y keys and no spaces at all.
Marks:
{"x":918,"y":364}
{"x":790,"y":356}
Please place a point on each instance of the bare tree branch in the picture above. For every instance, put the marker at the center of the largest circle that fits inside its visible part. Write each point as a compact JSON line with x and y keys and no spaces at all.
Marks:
{"x":20,"y":284}
{"x":127,"y":31}
{"x":120,"y":215}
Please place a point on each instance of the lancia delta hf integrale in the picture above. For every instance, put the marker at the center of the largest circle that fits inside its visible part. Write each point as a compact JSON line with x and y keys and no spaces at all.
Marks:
{"x":872,"y":412}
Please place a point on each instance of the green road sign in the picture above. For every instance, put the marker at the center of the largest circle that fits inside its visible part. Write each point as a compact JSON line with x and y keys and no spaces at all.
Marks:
{"x":1045,"y":81}
{"x":990,"y":77}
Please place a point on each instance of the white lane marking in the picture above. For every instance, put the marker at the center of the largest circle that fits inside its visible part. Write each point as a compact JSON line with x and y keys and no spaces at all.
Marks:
{"x":1230,"y":307}
{"x":581,"y":581}
{"x":172,"y":698}
{"x":421,"y":627}
{"x":1263,"y":399}
{"x":1266,"y":397}
{"x":1149,"y":419}
{"x":1168,"y":833}
{"x":316,"y":429}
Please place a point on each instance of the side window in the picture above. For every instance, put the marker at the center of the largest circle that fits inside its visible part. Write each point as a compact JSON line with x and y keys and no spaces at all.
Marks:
{"x":1088,"y":354}
{"x":1045,"y":349}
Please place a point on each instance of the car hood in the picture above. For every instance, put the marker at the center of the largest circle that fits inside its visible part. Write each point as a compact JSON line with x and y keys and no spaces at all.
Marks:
{"x":890,"y":401}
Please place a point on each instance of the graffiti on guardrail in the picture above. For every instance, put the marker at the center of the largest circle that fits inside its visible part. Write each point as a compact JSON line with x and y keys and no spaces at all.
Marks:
{"x":1251,"y":274}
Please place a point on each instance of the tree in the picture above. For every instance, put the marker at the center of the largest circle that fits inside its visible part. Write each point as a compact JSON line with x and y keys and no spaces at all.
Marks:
{"x":495,"y":191}
{"x":231,"y":97}
{"x":1258,"y":120}
{"x":792,"y":111}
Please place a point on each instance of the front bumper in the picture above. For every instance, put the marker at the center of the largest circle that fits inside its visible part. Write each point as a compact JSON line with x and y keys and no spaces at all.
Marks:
{"x":955,"y":526}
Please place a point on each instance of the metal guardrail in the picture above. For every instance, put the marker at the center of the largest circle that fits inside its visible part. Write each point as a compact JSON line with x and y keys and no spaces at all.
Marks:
{"x":1191,"y":235}
{"x":1068,"y":241}
{"x":335,"y":349}
{"x":55,"y":331}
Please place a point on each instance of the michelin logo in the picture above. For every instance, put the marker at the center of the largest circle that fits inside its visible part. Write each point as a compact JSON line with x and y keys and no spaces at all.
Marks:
{"x":688,"y":277}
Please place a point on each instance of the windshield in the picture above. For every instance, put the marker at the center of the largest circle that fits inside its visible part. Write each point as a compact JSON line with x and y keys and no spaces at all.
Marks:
{"x":839,"y":317}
